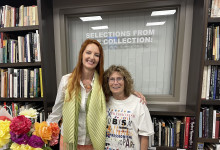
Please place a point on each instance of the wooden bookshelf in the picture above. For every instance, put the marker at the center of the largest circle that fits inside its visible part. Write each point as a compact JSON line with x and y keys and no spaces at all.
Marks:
{"x":46,"y":34}
{"x":20,"y":29}
{"x":209,"y":140}
{"x":165,"y":148}
{"x":20,"y":65}
{"x":38,"y":99}
{"x":213,"y":20}
{"x":210,"y":102}
{"x":212,"y":62}
{"x":200,"y":63}
{"x":170,"y":110}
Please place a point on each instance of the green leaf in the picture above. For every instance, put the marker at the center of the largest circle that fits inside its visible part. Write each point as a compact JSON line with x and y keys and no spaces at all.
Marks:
{"x":47,"y":148}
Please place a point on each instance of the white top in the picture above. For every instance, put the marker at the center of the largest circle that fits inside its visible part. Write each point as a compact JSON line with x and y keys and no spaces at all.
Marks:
{"x":127,"y":119}
{"x":55,"y":116}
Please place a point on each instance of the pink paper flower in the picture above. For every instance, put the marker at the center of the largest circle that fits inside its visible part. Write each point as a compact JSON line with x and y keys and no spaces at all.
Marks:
{"x":54,"y":140}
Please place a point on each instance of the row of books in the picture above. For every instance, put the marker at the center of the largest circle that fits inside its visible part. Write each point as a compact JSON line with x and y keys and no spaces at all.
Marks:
{"x":20,"y":49}
{"x":209,"y":123}
{"x":211,"y":83}
{"x":21,"y":83}
{"x":212,"y":43}
{"x":22,"y":16}
{"x":208,"y":146}
{"x":173,"y":132}
{"x":14,"y":108}
{"x":215,"y":8}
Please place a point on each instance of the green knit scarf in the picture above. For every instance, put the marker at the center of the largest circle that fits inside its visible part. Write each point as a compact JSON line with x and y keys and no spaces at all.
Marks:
{"x":95,"y":120}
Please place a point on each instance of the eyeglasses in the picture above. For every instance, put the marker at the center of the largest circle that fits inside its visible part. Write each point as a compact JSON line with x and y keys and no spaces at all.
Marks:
{"x":118,"y":79}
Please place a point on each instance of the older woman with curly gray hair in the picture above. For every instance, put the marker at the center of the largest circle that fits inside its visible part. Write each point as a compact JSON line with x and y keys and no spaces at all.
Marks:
{"x":128,"y":121}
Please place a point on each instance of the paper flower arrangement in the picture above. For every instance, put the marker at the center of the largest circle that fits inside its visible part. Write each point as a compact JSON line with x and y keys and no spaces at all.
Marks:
{"x":27,"y":136}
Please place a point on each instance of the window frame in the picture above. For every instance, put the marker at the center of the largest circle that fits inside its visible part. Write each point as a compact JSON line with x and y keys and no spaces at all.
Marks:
{"x":109,"y":9}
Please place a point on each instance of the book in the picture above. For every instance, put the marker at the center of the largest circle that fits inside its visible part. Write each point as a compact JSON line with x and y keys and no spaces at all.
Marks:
{"x":215,"y":9}
{"x":191,"y":132}
{"x":26,"y":83}
{"x":210,"y":122}
{"x":178,"y":123}
{"x":159,"y":137}
{"x":156,"y":131}
{"x":186,"y":134}
{"x":31,"y":84}
{"x":200,"y":124}
{"x":200,"y":146}
{"x":204,"y":82}
{"x":21,"y":15}
{"x":213,"y":124}
{"x":167,"y":136}
{"x":163,"y":134}
{"x":208,"y":82}
{"x":38,"y":53}
{"x":206,"y":122}
{"x":217,"y":125}
{"x":41,"y":82}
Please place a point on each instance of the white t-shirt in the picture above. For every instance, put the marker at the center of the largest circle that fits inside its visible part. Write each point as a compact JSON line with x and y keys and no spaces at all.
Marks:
{"x":126,"y":120}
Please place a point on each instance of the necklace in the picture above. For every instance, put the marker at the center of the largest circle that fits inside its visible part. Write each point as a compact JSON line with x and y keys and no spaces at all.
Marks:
{"x":87,"y":86}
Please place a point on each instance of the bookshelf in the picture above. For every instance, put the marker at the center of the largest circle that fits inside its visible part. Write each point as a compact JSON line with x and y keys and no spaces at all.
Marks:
{"x":47,"y":63}
{"x":198,"y":62}
{"x":169,"y":110}
{"x":208,"y":140}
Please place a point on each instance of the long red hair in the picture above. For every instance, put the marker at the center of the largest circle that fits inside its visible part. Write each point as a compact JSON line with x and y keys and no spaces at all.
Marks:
{"x":73,"y":85}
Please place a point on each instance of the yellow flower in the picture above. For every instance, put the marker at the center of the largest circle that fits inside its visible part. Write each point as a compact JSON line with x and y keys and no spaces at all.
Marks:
{"x":4,"y":132}
{"x":16,"y":146}
{"x":29,"y":113}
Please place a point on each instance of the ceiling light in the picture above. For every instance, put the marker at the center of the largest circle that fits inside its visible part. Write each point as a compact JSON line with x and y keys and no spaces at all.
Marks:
{"x":163,"y":12}
{"x":155,"y":23}
{"x":91,"y":18}
{"x":99,"y":27}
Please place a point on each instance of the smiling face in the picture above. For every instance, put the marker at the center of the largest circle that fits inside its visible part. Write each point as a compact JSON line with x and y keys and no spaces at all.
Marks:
{"x":90,"y":58}
{"x":116,"y":85}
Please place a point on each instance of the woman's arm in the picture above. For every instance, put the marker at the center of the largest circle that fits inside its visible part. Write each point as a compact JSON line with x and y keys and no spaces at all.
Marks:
{"x":56,"y":114}
{"x":144,"y":142}
{"x":141,"y":96}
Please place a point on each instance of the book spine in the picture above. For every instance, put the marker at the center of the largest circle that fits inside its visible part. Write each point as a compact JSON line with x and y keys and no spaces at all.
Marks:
{"x":213,"y":124}
{"x":217,"y":125}
{"x":191,"y":132}
{"x":15,"y":83}
{"x":163,"y":134}
{"x":206,"y":122}
{"x":215,"y":82}
{"x":178,"y":123}
{"x":210,"y":122}
{"x":208,"y":82}
{"x":41,"y":82}
{"x":211,"y":83}
{"x":218,"y":83}
{"x":186,"y":140}
{"x":200,"y":124}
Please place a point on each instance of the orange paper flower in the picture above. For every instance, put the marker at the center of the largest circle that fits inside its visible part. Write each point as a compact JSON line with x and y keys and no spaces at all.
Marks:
{"x":43,"y":130}
{"x":55,"y":129}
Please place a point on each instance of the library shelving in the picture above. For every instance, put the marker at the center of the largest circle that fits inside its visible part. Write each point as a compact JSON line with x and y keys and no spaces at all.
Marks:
{"x":45,"y":29}
{"x":170,"y":110}
{"x":199,"y":60}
